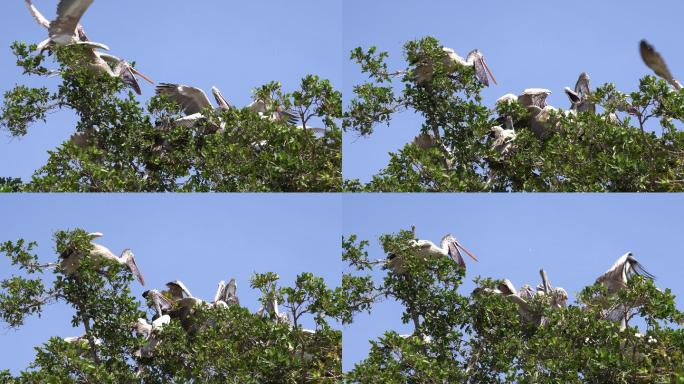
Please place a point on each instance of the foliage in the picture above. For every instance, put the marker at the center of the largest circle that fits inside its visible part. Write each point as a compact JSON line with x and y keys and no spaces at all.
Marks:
{"x":481,"y":338}
{"x":578,"y":152}
{"x":232,"y":345}
{"x":128,"y":147}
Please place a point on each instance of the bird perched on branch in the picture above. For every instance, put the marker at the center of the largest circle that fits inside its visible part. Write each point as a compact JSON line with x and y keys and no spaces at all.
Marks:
{"x":71,"y":259}
{"x":449,"y":247}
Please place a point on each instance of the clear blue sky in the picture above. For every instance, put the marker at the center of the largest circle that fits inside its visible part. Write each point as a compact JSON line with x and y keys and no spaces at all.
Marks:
{"x":235,"y":45}
{"x":575,"y":237}
{"x":527,"y":44}
{"x":199,"y":239}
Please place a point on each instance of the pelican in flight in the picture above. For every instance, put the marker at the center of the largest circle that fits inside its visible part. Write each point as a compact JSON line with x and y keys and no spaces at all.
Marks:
{"x":193,"y":101}
{"x":653,"y":60}
{"x":71,"y":260}
{"x":579,"y":96}
{"x":424,"y":71}
{"x":66,"y":30}
{"x":449,"y":247}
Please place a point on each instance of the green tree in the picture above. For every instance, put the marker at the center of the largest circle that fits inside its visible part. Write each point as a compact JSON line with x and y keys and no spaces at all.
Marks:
{"x":611,"y":150}
{"x":482,"y":338}
{"x":229,"y":345}
{"x":119,"y":145}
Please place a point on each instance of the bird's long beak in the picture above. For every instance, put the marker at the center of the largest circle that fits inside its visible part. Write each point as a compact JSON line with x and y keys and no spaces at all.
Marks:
{"x":467,"y":251}
{"x":150,"y":80}
{"x":488,"y":71}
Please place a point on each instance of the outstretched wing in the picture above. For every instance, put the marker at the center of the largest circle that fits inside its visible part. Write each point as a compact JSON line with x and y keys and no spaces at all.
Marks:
{"x":192,"y":100}
{"x":638,"y":269}
{"x":288,"y":114}
{"x":37,"y":15}
{"x":572,"y":95}
{"x":219,"y":291}
{"x":69,"y":13}
{"x":653,"y":60}
{"x":231,"y":290}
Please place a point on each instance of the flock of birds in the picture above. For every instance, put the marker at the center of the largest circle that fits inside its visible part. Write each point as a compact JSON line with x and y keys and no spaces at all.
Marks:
{"x":174,"y":303}
{"x":533,"y":99}
{"x":66,"y":30}
{"x":615,"y":279}
{"x":177,"y":302}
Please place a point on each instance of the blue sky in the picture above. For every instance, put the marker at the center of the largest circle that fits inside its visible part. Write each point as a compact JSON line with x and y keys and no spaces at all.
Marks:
{"x":236,"y":45}
{"x":199,"y":239}
{"x":575,"y":237}
{"x":527,"y":44}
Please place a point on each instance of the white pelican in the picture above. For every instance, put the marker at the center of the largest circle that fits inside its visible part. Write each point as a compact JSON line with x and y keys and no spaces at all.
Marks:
{"x":424,"y":71}
{"x":230,"y":293}
{"x":82,"y":340}
{"x":226,"y":295}
{"x":160,"y":303}
{"x":503,"y":138}
{"x":616,"y":279}
{"x":177,"y":290}
{"x":71,"y":260}
{"x":507,"y":99}
{"x":273,"y":312}
{"x":579,"y":96}
{"x":65,"y":30}
{"x":144,"y":328}
{"x":193,"y":101}
{"x":653,"y":60}
{"x":219,"y":292}
{"x":147,"y":330}
{"x":449,"y":247}
{"x":182,"y":310}
{"x":619,"y":274}
{"x":269,"y":110}
{"x":534,"y":97}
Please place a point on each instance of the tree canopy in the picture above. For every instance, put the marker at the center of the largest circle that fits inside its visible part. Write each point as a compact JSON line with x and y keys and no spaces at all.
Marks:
{"x":626,"y":141}
{"x":211,"y":343}
{"x":486,"y":337}
{"x":121,"y":145}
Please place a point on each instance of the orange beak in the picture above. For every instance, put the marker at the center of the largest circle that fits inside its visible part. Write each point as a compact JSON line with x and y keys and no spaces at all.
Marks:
{"x":145,"y":77}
